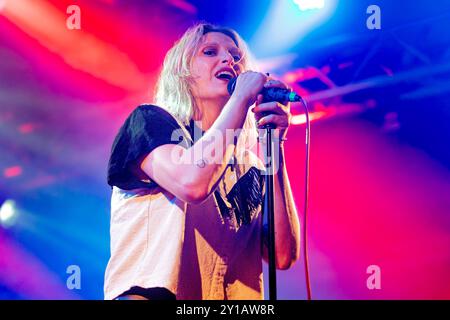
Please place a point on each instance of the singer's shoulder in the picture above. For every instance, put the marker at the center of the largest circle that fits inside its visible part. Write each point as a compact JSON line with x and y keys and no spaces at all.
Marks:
{"x":151,"y":112}
{"x":150,"y":109}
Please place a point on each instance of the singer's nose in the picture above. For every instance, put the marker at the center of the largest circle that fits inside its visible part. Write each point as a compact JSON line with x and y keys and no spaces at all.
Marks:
{"x":227,"y":58}
{"x":228,"y":62}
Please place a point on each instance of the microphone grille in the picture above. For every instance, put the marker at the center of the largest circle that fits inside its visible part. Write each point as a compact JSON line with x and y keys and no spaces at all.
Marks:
{"x":231,"y":85}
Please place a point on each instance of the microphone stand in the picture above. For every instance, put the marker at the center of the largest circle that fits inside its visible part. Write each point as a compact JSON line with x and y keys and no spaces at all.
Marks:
{"x":280,"y":95}
{"x":269,"y":212}
{"x":269,"y":197}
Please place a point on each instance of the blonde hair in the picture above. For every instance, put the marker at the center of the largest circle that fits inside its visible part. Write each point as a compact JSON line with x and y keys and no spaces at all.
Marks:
{"x":173,"y":91}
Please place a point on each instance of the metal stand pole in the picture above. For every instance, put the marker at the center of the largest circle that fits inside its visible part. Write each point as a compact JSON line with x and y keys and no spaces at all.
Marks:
{"x":269,"y":213}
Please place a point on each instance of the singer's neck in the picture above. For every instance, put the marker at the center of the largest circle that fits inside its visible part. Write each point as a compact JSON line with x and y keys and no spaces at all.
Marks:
{"x":207,"y":111}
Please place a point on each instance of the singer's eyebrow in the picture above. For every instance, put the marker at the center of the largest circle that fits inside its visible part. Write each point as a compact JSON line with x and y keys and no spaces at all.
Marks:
{"x":231,"y":49}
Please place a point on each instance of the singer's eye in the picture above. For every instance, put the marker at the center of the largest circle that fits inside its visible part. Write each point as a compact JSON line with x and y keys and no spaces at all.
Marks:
{"x":236,"y":58}
{"x":209,"y":52}
{"x":236,"y":55}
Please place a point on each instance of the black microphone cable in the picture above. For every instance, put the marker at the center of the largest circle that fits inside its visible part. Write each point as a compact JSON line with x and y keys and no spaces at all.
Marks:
{"x":306,"y":198}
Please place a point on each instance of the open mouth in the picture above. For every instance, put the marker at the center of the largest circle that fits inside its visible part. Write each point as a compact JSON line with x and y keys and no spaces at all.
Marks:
{"x":224,"y":75}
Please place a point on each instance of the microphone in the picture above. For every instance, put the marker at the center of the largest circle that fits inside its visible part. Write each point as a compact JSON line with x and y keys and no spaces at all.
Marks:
{"x":270,"y":94}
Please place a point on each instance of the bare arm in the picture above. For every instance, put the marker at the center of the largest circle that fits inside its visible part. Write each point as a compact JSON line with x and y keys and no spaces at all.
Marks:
{"x":188,"y":174}
{"x":287,"y":225}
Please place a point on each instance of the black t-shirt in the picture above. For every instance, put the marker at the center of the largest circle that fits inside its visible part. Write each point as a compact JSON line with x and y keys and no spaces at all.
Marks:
{"x":149,"y":127}
{"x":145,"y":129}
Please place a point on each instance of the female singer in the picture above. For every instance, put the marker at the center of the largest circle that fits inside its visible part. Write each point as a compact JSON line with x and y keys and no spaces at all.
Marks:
{"x":187,"y":185}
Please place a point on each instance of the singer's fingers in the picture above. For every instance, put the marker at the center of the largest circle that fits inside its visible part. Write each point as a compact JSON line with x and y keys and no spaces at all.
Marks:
{"x":271,"y":107}
{"x":259,"y":100}
{"x":260,"y":115}
{"x":279,"y":121}
{"x":272,"y":83}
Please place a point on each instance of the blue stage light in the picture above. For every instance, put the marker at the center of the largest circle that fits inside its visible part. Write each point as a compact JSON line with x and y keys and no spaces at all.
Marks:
{"x":305,"y":5}
{"x":287,"y":22}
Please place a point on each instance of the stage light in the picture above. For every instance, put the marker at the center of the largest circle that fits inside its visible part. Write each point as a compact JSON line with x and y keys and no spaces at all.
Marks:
{"x":8,"y":213}
{"x":287,"y":23}
{"x":12,"y":171}
{"x":2,"y":4}
{"x":300,"y":119}
{"x":81,"y":50}
{"x":305,"y":5}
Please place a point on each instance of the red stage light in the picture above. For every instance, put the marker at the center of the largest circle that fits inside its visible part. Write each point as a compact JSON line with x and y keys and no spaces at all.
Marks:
{"x":12,"y":172}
